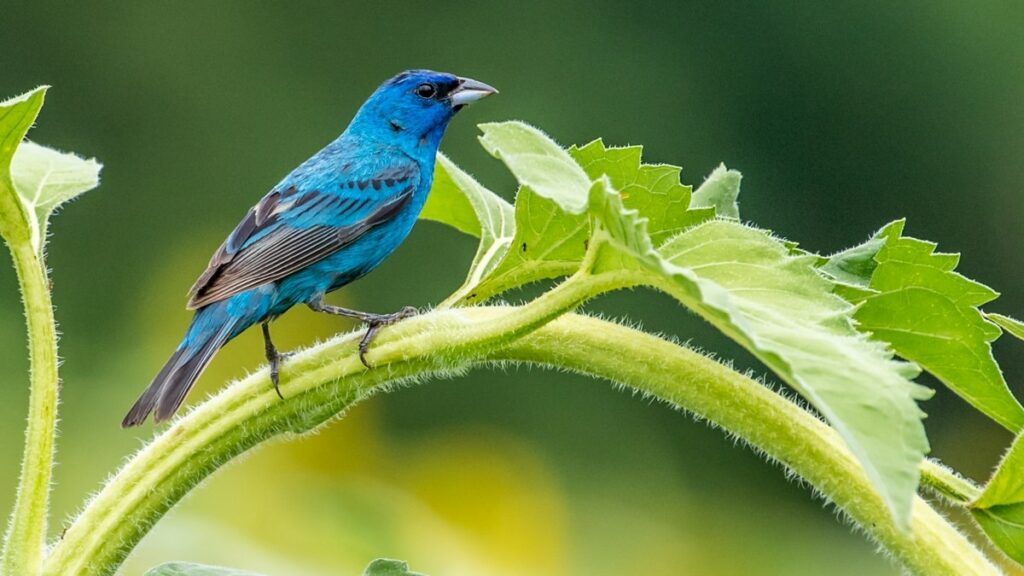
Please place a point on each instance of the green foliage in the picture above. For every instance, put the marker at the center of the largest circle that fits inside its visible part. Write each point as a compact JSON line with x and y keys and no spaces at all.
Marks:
{"x":740,"y":279}
{"x":37,"y":178}
{"x":654,"y":190}
{"x":460,"y":201}
{"x":1010,"y":325}
{"x":851,"y":269}
{"x":45,"y":179}
{"x":778,"y":307}
{"x":547,"y":242}
{"x":720,"y":191}
{"x":538,"y":162}
{"x":16,"y":117}
{"x":386,"y":567}
{"x":911,"y":297}
{"x":191,"y":569}
{"x":1000,"y":508}
{"x":549,"y":236}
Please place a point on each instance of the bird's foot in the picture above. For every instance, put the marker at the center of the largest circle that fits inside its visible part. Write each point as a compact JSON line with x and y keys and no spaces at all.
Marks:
{"x":274,"y":358}
{"x":275,"y":369}
{"x":377,"y":321}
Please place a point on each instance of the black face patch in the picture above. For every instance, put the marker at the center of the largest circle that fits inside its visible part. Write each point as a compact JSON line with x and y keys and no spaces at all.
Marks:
{"x":445,"y":88}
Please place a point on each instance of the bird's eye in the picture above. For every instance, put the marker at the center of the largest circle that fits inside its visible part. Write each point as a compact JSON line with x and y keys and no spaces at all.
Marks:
{"x":425,"y":90}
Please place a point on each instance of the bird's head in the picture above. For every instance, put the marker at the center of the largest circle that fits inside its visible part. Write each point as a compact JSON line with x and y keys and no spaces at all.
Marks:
{"x":415,"y":106}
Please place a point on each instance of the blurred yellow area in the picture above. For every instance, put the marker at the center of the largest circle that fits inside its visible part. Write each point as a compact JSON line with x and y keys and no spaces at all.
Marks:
{"x":487,"y":506}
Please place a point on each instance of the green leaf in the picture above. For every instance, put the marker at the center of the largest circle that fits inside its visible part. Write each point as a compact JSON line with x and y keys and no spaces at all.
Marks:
{"x":620,"y":240}
{"x":34,"y":180}
{"x":652,"y":189}
{"x":1000,"y":508}
{"x":16,"y":117}
{"x":45,"y":179}
{"x":548,"y":243}
{"x":460,"y":201}
{"x":851,"y":269}
{"x":929,"y":314}
{"x":551,"y":229}
{"x":1010,"y":325}
{"x":1007,"y":484}
{"x":720,"y":191}
{"x":456,"y":199}
{"x":538,"y":162}
{"x":1004,"y":525}
{"x":386,"y":567}
{"x":756,"y":289}
{"x":191,"y":569}
{"x":776,"y":304}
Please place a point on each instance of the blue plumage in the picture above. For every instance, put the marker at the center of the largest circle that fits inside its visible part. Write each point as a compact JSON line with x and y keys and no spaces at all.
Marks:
{"x":330,"y":221}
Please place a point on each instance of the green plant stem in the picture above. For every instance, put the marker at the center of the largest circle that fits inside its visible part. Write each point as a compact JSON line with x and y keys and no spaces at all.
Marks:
{"x":948,"y":484}
{"x":319,"y":383}
{"x":322,"y":382}
{"x":764,"y":419}
{"x":26,"y":533}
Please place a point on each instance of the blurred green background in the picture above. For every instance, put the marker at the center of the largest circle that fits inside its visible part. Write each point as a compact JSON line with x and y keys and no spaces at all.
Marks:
{"x":841,"y":119}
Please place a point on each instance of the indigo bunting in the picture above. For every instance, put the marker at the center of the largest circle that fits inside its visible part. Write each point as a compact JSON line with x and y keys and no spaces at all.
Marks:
{"x":329,"y":222}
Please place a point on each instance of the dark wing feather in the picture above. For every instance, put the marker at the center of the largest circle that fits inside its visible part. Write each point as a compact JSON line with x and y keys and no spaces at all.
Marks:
{"x":263,"y":249}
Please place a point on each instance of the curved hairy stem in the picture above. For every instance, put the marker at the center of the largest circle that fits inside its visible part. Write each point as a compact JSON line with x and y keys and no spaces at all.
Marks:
{"x":23,"y":544}
{"x":321,"y":382}
{"x":767,"y":421}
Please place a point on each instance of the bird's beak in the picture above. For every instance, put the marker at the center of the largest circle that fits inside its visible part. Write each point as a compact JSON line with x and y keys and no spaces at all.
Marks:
{"x":469,"y":90}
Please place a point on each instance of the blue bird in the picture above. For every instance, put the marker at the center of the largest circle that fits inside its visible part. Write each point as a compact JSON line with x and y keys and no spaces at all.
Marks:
{"x":329,"y":222}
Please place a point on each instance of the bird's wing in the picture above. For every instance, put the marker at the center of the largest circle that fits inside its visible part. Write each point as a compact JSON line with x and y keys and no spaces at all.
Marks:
{"x":290,"y":229}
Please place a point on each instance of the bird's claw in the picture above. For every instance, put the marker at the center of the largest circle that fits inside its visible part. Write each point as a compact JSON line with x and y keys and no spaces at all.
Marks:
{"x":275,"y":370}
{"x":376,"y":323}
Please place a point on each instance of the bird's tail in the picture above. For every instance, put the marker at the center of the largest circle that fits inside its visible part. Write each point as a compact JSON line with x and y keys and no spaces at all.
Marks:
{"x":211,"y":328}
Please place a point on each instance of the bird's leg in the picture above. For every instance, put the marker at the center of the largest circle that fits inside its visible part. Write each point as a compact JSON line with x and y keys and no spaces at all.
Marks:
{"x":374,"y":322}
{"x":274,"y":357}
